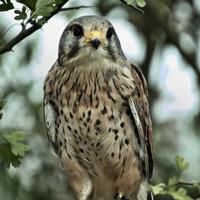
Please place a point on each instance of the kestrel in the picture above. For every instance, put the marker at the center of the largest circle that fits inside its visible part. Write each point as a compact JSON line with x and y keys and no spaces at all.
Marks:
{"x":97,"y":114}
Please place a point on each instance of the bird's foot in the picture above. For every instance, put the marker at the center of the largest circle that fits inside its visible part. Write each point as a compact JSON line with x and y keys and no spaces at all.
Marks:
{"x":120,"y":197}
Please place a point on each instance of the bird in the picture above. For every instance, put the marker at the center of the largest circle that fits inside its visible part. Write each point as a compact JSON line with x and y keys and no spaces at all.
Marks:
{"x":96,"y":113}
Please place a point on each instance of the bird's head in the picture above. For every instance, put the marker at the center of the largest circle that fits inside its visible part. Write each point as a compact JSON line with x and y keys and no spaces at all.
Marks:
{"x":90,"y":38}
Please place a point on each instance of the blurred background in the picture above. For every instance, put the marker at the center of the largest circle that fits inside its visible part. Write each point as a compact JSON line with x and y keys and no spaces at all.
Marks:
{"x":164,"y":42}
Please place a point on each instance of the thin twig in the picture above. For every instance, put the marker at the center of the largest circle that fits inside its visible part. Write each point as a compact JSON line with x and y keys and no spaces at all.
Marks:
{"x":75,"y":8}
{"x":178,"y":184}
{"x":26,"y":32}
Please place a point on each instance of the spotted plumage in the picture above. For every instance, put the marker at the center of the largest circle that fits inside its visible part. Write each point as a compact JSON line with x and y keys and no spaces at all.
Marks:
{"x":97,"y":114}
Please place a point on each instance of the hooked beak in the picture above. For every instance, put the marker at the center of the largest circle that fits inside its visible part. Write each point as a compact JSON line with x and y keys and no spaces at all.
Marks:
{"x":95,"y":38}
{"x":95,"y":43}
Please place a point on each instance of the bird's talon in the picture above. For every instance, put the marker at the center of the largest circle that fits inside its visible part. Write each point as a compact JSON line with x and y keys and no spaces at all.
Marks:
{"x":120,"y":197}
{"x":124,"y":198}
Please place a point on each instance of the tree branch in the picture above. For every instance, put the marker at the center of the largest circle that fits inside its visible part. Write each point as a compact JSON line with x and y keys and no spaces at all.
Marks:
{"x":179,"y":184}
{"x":75,"y":8}
{"x":23,"y":34}
{"x":26,"y":32}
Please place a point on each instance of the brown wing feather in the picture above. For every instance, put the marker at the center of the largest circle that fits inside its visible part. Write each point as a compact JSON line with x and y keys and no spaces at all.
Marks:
{"x":140,"y":104}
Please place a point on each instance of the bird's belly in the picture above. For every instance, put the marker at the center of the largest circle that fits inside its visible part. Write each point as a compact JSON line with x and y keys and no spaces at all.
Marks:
{"x":101,"y":139}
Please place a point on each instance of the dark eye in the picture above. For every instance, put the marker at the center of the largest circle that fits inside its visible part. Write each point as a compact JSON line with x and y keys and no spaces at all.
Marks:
{"x":110,"y":32}
{"x":77,"y":30}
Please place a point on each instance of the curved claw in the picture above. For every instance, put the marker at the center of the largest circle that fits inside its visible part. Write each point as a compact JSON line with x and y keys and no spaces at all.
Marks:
{"x":117,"y":197}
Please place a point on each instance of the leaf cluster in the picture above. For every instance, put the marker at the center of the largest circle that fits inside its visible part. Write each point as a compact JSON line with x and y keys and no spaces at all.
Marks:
{"x":12,"y":146}
{"x":6,"y":5}
{"x":175,"y":187}
{"x":31,"y":9}
{"x":137,"y":4}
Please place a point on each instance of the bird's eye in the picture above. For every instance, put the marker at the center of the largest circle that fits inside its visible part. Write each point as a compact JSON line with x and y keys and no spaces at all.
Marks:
{"x":110,"y":32}
{"x":77,"y":30}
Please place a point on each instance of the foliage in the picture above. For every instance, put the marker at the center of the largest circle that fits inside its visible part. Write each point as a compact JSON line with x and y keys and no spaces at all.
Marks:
{"x":12,"y":147}
{"x":36,"y":13}
{"x":28,"y":3}
{"x":137,"y":4}
{"x":140,"y":3}
{"x":35,"y":9}
{"x":175,"y":187}
{"x":6,"y":5}
{"x":33,"y":15}
{"x":43,"y":8}
{"x":181,"y":163}
{"x":21,"y":14}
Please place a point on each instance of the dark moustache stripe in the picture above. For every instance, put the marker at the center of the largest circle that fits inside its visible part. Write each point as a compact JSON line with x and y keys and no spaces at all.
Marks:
{"x":111,"y":52}
{"x":73,"y":51}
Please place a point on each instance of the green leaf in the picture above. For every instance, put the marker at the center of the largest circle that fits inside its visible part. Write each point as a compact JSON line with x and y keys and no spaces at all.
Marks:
{"x":20,"y":149}
{"x":15,"y":139}
{"x":59,"y":1}
{"x":12,"y":148}
{"x":7,"y":158}
{"x":157,"y":189}
{"x":135,"y":3}
{"x":130,"y":2}
{"x":21,"y":14}
{"x":44,"y":8}
{"x":6,"y":5}
{"x":197,"y":185}
{"x":181,"y":163}
{"x":141,"y":3}
{"x":180,"y":194}
{"x":172,"y":181}
{"x":29,"y":3}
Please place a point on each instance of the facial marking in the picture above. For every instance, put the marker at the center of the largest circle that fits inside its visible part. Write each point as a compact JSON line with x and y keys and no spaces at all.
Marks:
{"x":90,"y":37}
{"x":74,"y":50}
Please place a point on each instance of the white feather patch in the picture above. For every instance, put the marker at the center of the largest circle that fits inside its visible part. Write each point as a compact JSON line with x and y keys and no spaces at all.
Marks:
{"x":50,"y":121}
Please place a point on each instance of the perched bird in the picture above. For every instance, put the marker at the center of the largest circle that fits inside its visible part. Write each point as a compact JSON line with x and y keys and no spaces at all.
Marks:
{"x":97,"y":114}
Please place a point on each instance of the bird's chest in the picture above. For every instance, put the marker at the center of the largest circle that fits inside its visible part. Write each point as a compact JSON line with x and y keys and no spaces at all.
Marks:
{"x":93,"y":121}
{"x":92,"y":109}
{"x":90,"y":106}
{"x":95,"y":111}
{"x":99,"y":131}
{"x":78,"y":89}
